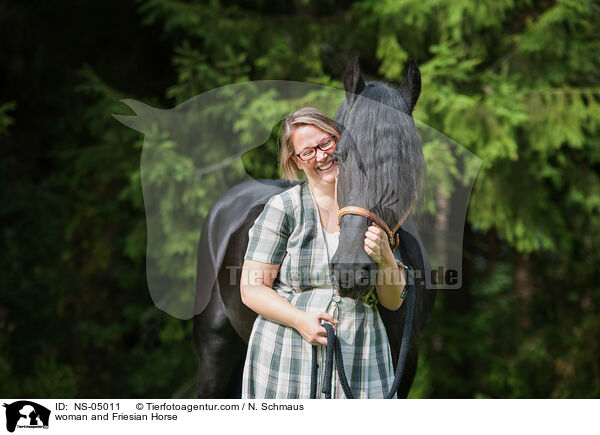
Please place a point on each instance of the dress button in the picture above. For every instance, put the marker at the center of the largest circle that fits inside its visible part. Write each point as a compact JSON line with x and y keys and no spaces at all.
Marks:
{"x":336,"y":299}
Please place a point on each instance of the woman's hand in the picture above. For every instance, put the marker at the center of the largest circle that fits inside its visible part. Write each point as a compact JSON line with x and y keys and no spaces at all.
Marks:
{"x":389,"y":289}
{"x":309,"y":326}
{"x":377,"y":246}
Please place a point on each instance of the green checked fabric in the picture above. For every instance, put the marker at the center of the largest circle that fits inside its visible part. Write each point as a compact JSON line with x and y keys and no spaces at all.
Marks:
{"x":278,"y":362}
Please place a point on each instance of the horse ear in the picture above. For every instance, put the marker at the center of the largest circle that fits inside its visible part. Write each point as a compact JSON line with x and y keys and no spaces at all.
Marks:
{"x":353,"y":81}
{"x":410,"y":89}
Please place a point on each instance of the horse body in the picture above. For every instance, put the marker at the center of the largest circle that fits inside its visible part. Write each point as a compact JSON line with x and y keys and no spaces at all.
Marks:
{"x":222,"y":329}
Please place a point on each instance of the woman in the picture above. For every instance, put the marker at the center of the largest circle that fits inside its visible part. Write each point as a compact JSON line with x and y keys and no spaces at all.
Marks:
{"x":286,"y":279}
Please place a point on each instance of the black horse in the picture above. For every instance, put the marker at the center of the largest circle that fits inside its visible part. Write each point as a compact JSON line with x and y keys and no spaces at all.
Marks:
{"x":381,"y":168}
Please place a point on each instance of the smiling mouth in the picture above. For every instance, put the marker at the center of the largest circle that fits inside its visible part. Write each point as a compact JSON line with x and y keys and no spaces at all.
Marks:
{"x":326,"y":167}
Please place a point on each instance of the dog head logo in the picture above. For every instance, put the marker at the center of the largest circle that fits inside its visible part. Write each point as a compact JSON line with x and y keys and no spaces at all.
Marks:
{"x":25,"y":413}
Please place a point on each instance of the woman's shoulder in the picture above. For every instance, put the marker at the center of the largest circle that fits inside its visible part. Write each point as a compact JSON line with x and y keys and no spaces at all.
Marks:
{"x":290,"y":200}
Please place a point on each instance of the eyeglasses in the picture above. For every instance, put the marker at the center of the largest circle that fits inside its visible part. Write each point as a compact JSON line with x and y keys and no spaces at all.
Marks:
{"x":324,"y":145}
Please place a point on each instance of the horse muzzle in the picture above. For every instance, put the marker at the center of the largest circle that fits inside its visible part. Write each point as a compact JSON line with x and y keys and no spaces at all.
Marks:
{"x":353,"y":278}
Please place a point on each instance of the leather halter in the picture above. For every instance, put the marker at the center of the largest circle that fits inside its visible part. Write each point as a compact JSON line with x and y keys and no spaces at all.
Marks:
{"x":393,"y":238}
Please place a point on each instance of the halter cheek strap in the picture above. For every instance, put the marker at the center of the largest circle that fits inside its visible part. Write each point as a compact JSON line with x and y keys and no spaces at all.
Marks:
{"x":393,"y":238}
{"x":394,"y":241}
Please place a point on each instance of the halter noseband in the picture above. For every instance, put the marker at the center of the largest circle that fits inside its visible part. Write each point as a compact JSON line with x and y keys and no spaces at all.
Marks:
{"x":392,"y":236}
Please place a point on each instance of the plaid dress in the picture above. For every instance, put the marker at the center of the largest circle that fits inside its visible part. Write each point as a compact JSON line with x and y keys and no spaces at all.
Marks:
{"x":278,"y":362}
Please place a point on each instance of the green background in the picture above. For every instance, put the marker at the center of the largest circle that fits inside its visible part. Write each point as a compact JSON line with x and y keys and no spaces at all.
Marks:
{"x":515,"y":82}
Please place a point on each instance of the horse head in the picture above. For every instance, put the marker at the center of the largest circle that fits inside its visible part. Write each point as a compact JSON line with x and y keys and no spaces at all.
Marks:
{"x":381,"y":165}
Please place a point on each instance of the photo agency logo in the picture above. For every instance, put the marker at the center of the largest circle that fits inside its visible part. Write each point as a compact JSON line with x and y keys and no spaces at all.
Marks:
{"x":209,"y":166}
{"x":25,"y":414}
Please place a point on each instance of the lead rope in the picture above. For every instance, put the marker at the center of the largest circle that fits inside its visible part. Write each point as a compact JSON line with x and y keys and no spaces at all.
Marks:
{"x":333,"y":346}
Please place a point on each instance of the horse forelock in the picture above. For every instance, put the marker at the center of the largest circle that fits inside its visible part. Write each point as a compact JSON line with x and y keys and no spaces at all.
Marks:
{"x":380,"y":153}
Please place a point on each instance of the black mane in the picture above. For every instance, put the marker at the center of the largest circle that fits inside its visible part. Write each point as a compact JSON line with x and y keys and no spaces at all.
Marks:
{"x":379,"y":152}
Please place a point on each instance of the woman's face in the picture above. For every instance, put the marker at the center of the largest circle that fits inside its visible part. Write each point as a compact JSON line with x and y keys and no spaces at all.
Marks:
{"x":321,"y":168}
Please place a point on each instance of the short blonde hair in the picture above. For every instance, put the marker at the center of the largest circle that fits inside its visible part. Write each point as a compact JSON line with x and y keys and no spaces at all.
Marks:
{"x":304,"y":116}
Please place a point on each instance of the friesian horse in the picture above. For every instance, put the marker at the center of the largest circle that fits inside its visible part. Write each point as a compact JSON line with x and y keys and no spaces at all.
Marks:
{"x":381,"y":168}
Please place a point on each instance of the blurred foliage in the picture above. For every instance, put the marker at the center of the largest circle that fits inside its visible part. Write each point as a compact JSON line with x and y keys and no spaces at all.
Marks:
{"x":514,"y":82}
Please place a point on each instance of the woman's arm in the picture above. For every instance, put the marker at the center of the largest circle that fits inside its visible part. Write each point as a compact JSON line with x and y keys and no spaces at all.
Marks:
{"x":258,"y":295}
{"x":390,"y":284}
{"x":390,"y":278}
